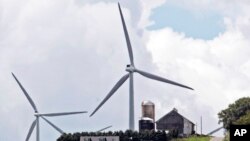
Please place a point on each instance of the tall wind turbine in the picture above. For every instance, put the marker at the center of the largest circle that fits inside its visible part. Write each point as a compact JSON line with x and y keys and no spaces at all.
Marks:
{"x":42,"y":115}
{"x":131,"y":69}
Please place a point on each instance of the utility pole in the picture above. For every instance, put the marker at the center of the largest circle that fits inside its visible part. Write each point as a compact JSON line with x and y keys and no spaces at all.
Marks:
{"x":201,"y":125}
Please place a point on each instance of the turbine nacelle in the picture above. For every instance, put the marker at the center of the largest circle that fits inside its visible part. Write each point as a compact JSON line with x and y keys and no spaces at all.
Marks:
{"x":36,"y":114}
{"x":130,"y":68}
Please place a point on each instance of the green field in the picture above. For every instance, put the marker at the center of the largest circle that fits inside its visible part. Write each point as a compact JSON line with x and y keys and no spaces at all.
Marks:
{"x":193,"y":139}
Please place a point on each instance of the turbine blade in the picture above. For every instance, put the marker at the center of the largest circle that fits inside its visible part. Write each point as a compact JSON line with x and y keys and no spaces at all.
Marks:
{"x":113,"y":90}
{"x":61,"y":114}
{"x":152,"y":76}
{"x":53,"y":125}
{"x":104,"y":128}
{"x":25,"y":93}
{"x":31,"y":130}
{"x":130,"y":52}
{"x":214,"y":131}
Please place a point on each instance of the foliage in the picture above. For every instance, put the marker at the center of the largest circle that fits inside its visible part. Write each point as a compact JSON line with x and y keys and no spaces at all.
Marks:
{"x":234,"y":112}
{"x":226,"y":138}
{"x":174,"y":133}
{"x":124,"y":136}
{"x":243,"y":120}
{"x":194,"y":138}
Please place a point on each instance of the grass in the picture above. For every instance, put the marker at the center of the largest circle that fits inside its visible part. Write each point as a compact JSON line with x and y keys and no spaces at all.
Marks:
{"x":194,"y":138}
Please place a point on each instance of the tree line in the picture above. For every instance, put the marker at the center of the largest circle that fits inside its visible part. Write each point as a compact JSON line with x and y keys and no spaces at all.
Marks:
{"x":124,"y":136}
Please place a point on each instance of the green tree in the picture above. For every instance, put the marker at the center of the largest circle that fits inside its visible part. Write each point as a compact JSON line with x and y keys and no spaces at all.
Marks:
{"x":243,"y":120}
{"x":234,"y":112}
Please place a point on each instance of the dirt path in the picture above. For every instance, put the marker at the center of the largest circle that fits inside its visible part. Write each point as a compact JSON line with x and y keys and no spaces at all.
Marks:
{"x":217,"y":139}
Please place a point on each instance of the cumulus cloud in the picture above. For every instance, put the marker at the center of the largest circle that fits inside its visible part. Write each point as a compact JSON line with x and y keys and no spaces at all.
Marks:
{"x":69,"y":54}
{"x":59,"y":51}
{"x":215,"y":68}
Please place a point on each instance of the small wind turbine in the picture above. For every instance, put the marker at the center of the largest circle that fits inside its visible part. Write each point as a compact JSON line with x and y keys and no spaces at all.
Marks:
{"x":40,"y":115}
{"x":131,"y":69}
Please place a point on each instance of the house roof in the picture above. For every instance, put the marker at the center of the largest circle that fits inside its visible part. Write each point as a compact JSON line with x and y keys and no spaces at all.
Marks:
{"x":175,"y":111}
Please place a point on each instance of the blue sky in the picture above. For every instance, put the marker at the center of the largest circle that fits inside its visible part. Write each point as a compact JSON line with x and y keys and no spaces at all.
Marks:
{"x":196,"y":24}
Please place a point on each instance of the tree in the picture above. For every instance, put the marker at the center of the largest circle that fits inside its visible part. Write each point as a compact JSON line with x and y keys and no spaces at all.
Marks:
{"x":124,"y":136}
{"x":243,"y":120}
{"x":234,"y":112}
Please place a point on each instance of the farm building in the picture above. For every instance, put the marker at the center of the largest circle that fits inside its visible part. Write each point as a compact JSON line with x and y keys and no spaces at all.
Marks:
{"x":175,"y":121}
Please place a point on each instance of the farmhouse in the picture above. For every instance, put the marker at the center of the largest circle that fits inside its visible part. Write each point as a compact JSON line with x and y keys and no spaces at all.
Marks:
{"x":175,"y":121}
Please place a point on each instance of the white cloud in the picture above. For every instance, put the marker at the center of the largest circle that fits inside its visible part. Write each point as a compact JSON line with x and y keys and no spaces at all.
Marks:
{"x":60,"y":52}
{"x":69,"y":54}
{"x":215,"y":68}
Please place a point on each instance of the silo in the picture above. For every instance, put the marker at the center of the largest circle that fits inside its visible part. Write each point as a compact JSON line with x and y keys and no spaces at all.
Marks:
{"x":146,"y":124}
{"x":148,"y":109}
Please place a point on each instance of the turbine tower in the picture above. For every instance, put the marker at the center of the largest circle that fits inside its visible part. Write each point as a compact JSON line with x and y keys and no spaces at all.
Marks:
{"x":38,"y":115}
{"x":131,"y":69}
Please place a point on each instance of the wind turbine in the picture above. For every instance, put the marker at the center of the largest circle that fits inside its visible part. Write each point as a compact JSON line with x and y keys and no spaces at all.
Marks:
{"x":38,"y":115}
{"x":131,"y":69}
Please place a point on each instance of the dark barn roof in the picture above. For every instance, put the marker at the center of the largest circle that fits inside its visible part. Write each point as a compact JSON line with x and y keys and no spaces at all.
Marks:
{"x":176,"y":112}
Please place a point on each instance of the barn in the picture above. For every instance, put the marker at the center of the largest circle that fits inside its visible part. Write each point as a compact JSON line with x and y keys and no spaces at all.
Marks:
{"x":175,"y":121}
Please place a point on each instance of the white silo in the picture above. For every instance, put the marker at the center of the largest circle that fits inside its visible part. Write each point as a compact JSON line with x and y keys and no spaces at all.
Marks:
{"x":148,"y":109}
{"x":147,"y":121}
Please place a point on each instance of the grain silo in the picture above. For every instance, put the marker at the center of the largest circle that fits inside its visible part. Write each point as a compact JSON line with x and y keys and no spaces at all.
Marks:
{"x":148,"y":109}
{"x":147,"y":121}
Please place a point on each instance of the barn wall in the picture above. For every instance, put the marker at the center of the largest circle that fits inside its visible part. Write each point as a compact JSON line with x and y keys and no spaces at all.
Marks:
{"x":188,"y":127}
{"x":170,"y":122}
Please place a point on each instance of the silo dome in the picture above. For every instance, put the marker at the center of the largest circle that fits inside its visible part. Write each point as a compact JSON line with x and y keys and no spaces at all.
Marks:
{"x":148,"y":109}
{"x":147,"y":102}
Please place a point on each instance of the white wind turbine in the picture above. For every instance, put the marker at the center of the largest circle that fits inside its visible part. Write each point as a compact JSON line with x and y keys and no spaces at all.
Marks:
{"x":131,"y":69}
{"x":42,"y":115}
